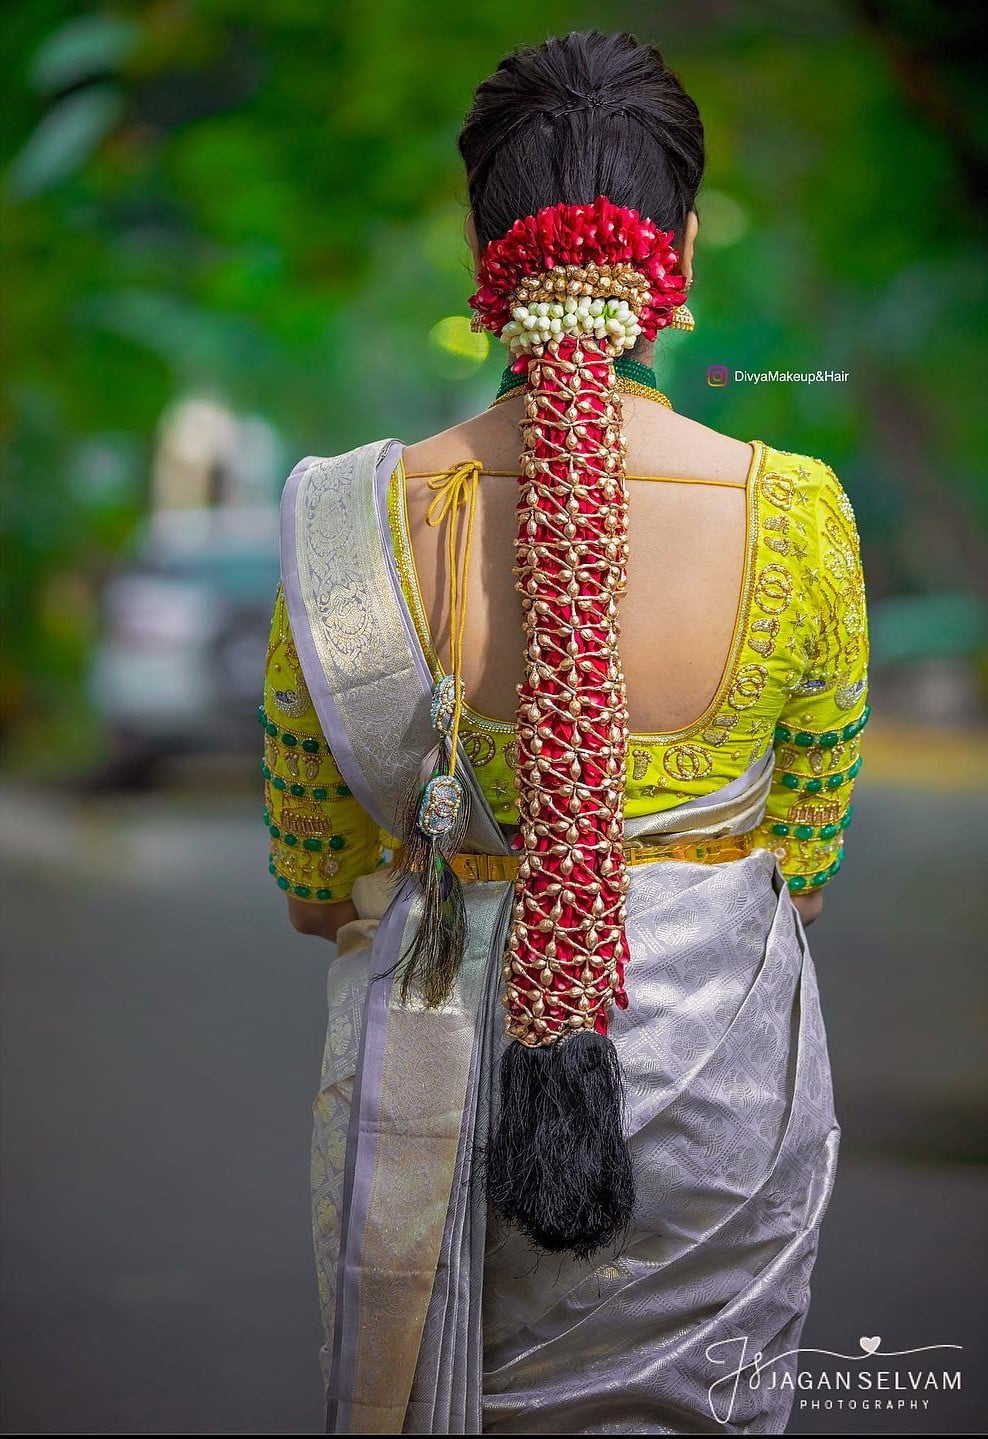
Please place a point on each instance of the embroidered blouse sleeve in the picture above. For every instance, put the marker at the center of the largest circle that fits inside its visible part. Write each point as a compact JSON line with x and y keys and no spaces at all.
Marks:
{"x":321,"y":837}
{"x":817,"y":738}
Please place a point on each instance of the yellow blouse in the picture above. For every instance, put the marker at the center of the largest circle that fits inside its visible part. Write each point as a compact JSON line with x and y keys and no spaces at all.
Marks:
{"x":796,"y":676}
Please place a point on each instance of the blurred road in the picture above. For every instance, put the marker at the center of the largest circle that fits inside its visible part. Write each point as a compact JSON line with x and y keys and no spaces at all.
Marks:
{"x":163,"y":1029}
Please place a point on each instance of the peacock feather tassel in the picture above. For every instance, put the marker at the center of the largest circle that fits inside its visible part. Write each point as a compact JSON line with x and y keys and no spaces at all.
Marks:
{"x":435,"y":817}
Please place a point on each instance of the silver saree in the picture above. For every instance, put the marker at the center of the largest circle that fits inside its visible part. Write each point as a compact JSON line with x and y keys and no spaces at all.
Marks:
{"x":438,"y":1319}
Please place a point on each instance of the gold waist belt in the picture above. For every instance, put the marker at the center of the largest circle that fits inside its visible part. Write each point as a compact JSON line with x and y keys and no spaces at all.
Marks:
{"x":704,"y":851}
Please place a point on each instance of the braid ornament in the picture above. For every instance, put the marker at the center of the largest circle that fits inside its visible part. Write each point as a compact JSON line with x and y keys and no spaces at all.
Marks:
{"x":567,"y":290}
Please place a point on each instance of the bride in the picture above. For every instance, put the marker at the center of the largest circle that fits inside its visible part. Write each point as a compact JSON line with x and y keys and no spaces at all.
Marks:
{"x":561,"y":723}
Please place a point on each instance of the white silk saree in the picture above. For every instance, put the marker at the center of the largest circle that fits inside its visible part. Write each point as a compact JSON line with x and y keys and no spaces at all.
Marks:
{"x":438,"y":1319}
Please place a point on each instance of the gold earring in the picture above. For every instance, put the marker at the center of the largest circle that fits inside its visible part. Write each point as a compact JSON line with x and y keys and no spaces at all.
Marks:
{"x":682,"y":315}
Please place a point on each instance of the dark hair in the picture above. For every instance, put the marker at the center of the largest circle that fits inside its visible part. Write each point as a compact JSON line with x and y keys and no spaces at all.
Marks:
{"x":579,"y":116}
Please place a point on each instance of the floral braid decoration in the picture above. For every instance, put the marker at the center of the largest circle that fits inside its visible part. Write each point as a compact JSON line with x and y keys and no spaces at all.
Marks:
{"x":569,"y":289}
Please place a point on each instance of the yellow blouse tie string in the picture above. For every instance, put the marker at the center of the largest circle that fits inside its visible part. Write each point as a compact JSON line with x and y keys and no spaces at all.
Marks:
{"x":455,"y":488}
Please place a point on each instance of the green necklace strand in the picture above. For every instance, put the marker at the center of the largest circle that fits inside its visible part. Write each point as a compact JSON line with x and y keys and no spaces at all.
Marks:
{"x":623,"y":365}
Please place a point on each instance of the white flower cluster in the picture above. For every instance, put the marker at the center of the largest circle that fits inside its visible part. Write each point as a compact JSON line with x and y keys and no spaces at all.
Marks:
{"x":536,"y":324}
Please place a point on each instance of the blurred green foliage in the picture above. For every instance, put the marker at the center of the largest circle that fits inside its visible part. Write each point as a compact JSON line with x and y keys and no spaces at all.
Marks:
{"x":265,"y":205}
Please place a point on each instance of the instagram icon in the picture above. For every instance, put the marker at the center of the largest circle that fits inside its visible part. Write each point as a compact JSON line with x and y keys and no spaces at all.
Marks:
{"x":718,"y":376}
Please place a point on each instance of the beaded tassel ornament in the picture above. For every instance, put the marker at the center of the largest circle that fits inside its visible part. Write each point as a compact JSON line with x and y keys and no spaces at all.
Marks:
{"x":435,"y":815}
{"x":568,"y":290}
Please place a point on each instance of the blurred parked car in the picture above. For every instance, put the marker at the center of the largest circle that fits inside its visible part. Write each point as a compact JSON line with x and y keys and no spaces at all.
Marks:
{"x":180,"y":662}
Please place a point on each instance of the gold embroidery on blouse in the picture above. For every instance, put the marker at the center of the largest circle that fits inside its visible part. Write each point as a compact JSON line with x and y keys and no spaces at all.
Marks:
{"x":720,"y":730}
{"x":687,"y":762}
{"x":779,"y":491}
{"x":292,"y":699}
{"x":480,"y":748}
{"x":773,"y":589}
{"x":748,"y":686}
{"x":641,"y":760}
{"x":768,"y":627}
{"x":808,"y":811}
{"x":310,"y":824}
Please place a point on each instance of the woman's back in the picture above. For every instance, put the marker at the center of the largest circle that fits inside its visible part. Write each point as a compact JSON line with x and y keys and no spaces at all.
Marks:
{"x":687,"y":545}
{"x":743,"y":621}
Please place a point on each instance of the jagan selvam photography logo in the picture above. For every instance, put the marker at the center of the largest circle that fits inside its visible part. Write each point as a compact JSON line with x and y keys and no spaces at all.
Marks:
{"x":857,"y":1387}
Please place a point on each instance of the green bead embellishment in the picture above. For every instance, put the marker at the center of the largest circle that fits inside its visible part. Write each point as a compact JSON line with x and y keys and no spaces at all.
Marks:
{"x":313,"y":844}
{"x":805,"y":739}
{"x":813,"y":786}
{"x":288,"y":737}
{"x":336,"y":841}
{"x":800,"y":881}
{"x":318,"y":792}
{"x":302,"y":890}
{"x":807,"y":831}
{"x":274,"y":831}
{"x":290,"y":838}
{"x":856,"y":726}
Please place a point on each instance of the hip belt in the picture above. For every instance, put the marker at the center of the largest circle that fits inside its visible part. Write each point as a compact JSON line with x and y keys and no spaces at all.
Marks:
{"x":487,"y":867}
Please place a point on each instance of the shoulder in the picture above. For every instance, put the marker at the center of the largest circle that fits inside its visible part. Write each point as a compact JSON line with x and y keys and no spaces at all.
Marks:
{"x":809,"y":487}
{"x":491,"y":436}
{"x":375,"y":451}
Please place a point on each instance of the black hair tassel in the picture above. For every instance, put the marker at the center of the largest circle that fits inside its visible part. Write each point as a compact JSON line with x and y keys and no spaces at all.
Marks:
{"x":557,"y":1165}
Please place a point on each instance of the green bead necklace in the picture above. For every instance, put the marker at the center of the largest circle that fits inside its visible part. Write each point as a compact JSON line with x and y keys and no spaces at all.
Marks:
{"x":628,"y":368}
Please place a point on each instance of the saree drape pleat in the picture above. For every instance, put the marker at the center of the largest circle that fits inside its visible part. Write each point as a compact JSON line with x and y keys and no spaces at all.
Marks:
{"x":438,"y":1319}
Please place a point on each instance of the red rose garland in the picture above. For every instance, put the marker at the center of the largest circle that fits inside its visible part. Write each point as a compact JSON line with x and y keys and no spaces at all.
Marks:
{"x":568,"y":288}
{"x":601,"y":234}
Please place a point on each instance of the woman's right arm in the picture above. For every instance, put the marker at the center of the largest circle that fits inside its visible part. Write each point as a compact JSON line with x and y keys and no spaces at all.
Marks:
{"x":322,"y":839}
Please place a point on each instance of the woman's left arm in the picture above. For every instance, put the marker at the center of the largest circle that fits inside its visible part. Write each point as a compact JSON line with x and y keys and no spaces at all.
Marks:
{"x":818,"y":738}
{"x":324,"y":920}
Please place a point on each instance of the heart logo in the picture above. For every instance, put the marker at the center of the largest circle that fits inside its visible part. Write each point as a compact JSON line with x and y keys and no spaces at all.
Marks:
{"x":870,"y":1345}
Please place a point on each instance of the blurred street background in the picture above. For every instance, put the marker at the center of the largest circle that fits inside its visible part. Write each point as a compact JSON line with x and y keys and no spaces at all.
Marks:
{"x":234,"y":237}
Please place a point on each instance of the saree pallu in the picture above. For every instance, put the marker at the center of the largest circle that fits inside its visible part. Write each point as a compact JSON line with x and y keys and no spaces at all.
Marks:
{"x":438,"y":1318}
